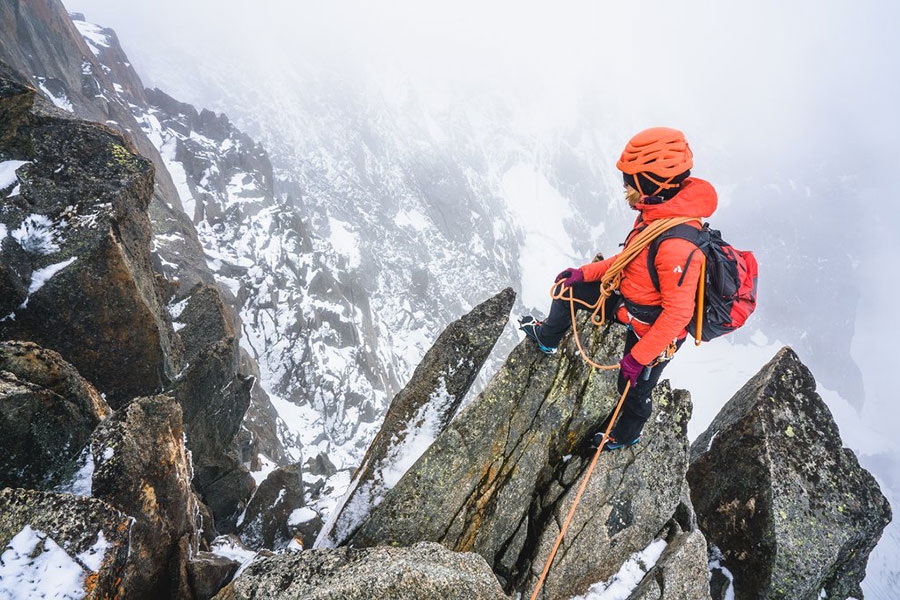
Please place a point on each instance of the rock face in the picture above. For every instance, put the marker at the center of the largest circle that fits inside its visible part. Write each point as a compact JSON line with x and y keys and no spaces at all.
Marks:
{"x":421,"y":411}
{"x":791,"y":510}
{"x":501,"y":478}
{"x":682,"y":570}
{"x":214,"y":399}
{"x":267,"y":520}
{"x":423,"y":571}
{"x":142,"y":468}
{"x":47,"y":414}
{"x":84,"y":535}
{"x":76,"y":261}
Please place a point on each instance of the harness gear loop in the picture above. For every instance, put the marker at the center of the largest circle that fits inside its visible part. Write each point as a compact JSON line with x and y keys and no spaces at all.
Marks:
{"x":581,"y":489}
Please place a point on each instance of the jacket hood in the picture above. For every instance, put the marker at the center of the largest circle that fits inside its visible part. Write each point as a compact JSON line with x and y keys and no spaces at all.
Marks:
{"x":697,"y":198}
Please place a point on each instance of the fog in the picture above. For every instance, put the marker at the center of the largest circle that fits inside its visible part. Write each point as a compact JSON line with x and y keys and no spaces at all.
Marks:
{"x":804,"y":94}
{"x":794,"y":105}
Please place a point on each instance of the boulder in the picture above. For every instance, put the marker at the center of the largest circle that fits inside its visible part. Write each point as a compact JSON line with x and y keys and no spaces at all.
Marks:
{"x":425,"y":572}
{"x":47,"y":369}
{"x":76,"y":269}
{"x":208,"y":573}
{"x":84,"y":542}
{"x":421,"y":411}
{"x":267,"y":521}
{"x":501,"y":477}
{"x":143,"y":468}
{"x":792,"y":511}
{"x":47,"y":414}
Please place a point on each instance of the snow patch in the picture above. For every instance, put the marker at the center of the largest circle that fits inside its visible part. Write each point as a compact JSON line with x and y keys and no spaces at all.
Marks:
{"x":34,"y":566}
{"x":345,"y":242}
{"x":620,"y":586}
{"x":93,"y":557}
{"x":42,"y":276}
{"x":715,"y":564}
{"x":93,"y":35}
{"x":8,"y":172}
{"x":81,"y":482}
{"x":226,"y":546}
{"x":36,"y":235}
{"x":301,"y":515}
{"x":421,"y":432}
{"x":61,"y":101}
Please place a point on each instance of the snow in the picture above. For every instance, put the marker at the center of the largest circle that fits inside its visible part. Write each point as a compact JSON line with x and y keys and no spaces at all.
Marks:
{"x":93,"y":557}
{"x":266,"y":467}
{"x":3,"y":232}
{"x":715,"y":563}
{"x":93,"y":35}
{"x":226,"y":546}
{"x":412,"y":218}
{"x":421,"y":432}
{"x":545,"y":248}
{"x":36,"y":235}
{"x":620,"y":586}
{"x":345,"y":242}
{"x":301,"y":515}
{"x":108,"y":453}
{"x":8,"y":172}
{"x":42,"y":276}
{"x":81,"y":482}
{"x":59,"y":101}
{"x":34,"y":566}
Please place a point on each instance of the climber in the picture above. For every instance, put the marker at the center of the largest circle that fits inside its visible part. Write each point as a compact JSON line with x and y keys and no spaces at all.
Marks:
{"x":656,"y":167}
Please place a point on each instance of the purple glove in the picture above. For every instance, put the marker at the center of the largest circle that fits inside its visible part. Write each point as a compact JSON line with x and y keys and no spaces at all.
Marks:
{"x":631,"y":368}
{"x":570,"y":276}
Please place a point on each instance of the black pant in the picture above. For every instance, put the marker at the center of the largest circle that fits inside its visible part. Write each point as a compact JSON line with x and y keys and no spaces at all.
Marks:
{"x":637,"y":406}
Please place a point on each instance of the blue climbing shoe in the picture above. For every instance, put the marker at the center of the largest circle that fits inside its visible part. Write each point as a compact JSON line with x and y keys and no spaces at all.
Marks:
{"x":611,"y":442}
{"x":529,"y":325}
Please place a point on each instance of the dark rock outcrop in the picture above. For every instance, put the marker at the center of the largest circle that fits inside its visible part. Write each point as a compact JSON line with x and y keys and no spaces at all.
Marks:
{"x":791,"y":510}
{"x":94,"y":535}
{"x":502,"y":476}
{"x":424,"y":407}
{"x":76,"y":265}
{"x":142,"y":468}
{"x":214,"y":399}
{"x":208,"y":573}
{"x":423,"y":571}
{"x":47,"y":414}
{"x":266,"y":522}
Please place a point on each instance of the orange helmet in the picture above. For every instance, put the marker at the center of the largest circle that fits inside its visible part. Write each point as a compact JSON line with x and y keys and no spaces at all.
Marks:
{"x":660,"y":151}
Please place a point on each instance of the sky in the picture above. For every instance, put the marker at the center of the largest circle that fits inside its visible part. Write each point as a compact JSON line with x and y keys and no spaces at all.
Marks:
{"x":778,"y":88}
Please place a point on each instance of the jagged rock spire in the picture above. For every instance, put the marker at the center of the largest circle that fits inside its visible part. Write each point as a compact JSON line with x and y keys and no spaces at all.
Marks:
{"x":421,"y":411}
{"x":500,"y":479}
{"x":791,"y":510}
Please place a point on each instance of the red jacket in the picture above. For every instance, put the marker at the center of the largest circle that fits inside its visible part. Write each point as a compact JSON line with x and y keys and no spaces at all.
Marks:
{"x":697,"y":198}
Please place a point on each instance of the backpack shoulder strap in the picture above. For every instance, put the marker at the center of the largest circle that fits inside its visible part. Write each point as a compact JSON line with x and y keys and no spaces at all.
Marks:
{"x":698,"y":237}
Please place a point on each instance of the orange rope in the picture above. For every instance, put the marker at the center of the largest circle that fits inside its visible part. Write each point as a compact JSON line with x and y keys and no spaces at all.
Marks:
{"x":581,"y":489}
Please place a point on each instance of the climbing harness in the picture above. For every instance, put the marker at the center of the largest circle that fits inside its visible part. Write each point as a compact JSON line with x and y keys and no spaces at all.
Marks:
{"x":587,"y":477}
{"x":613,"y":276}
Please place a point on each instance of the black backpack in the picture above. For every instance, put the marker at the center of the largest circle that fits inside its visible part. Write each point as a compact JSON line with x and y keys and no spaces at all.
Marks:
{"x":729,"y":292}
